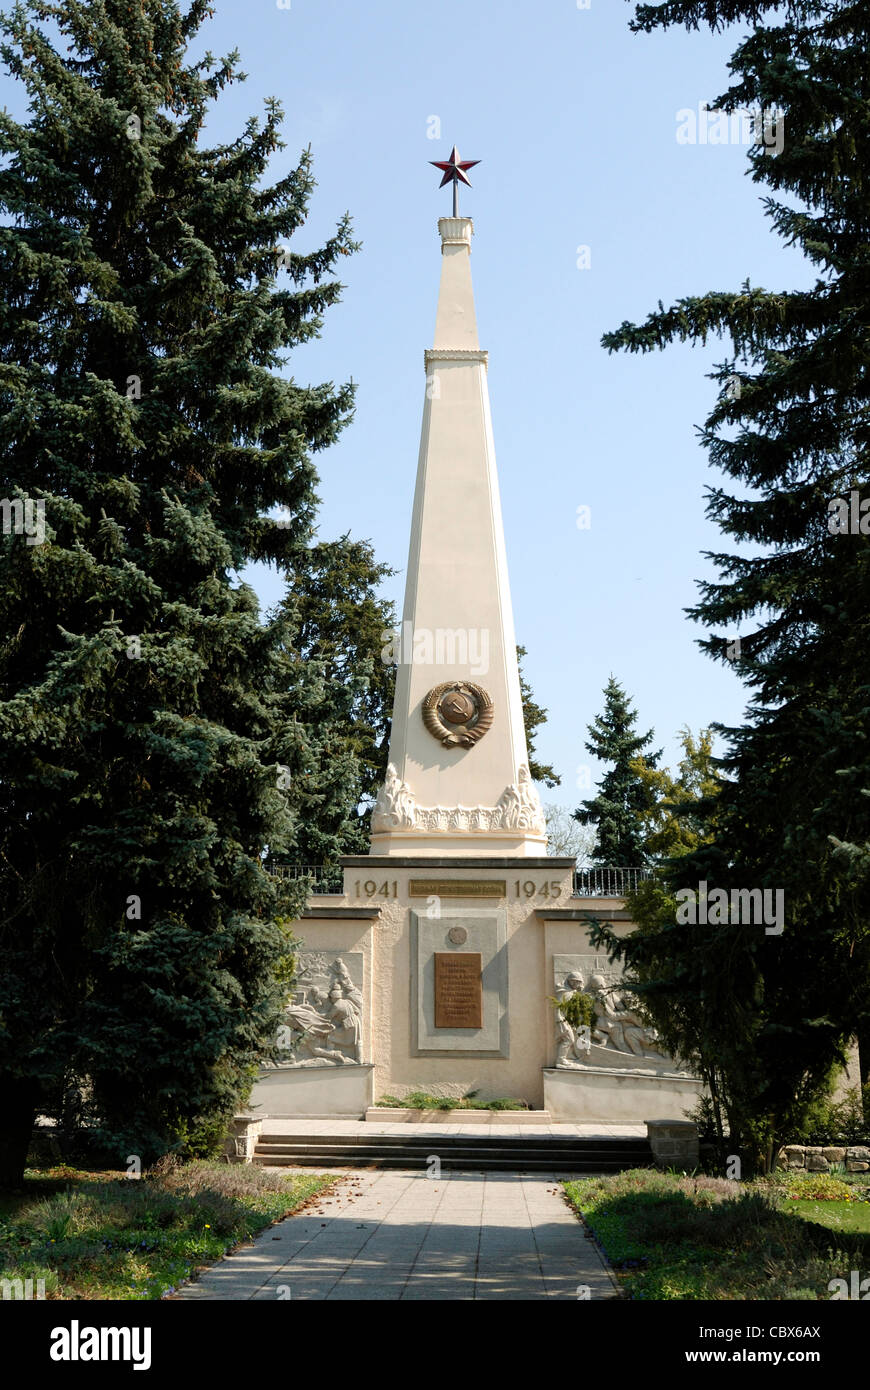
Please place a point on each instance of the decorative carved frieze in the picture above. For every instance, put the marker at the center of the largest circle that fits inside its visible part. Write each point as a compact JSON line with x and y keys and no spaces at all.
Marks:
{"x":455,"y":355}
{"x":518,"y":808}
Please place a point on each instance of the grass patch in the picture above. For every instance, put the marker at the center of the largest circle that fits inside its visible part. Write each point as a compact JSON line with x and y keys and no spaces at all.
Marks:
{"x":838,"y":1216}
{"x":421,"y":1100}
{"x":108,"y":1236}
{"x":675,"y":1237}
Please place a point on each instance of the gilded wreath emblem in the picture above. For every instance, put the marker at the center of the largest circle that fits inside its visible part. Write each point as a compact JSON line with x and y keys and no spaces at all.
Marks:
{"x":458,"y":713}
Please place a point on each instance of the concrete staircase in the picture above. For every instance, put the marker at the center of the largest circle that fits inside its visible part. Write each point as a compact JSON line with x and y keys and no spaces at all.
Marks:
{"x":488,"y":1153}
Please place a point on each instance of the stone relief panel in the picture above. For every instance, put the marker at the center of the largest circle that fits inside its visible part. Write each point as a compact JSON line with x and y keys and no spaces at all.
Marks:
{"x":324,"y":1017}
{"x":617,"y":1036}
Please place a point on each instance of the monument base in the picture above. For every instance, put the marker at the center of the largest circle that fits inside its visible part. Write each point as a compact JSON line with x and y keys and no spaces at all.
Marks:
{"x":341,"y":1090}
{"x":611,"y":1095}
{"x":382,"y":1114}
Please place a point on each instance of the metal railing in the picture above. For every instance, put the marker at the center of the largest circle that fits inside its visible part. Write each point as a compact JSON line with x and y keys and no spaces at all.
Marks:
{"x":325,"y":878}
{"x":608,"y":882}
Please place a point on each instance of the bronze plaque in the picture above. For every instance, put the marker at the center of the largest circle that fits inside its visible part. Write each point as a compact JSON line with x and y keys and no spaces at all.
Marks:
{"x":458,"y":992}
{"x":457,"y":888}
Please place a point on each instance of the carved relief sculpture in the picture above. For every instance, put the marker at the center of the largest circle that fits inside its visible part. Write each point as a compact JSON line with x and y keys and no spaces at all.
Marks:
{"x":518,"y":808}
{"x":323,"y":1020}
{"x":572,"y":1044}
{"x":619,"y":1036}
{"x":619,"y":1026}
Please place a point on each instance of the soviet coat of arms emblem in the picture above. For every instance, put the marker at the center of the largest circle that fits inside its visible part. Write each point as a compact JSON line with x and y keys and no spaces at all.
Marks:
{"x":458,"y":713}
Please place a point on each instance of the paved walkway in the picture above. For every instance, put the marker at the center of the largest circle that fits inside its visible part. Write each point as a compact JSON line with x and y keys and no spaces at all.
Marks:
{"x":391,"y":1234}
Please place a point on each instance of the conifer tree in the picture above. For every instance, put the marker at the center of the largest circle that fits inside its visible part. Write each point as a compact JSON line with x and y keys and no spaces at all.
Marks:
{"x":533,"y":717}
{"x":679,"y":812}
{"x":789,"y":430}
{"x":618,"y":808}
{"x":155,"y":736}
{"x":342,"y":626}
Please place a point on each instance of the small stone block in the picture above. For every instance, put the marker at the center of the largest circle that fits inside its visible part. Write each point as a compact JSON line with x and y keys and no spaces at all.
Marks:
{"x":817,"y":1163}
{"x":672,"y":1129}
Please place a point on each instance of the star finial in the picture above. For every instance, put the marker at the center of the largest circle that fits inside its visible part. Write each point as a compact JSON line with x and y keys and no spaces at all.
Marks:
{"x":454,"y":169}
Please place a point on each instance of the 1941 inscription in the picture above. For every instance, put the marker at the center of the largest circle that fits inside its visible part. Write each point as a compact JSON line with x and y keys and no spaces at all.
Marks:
{"x":458,"y":994}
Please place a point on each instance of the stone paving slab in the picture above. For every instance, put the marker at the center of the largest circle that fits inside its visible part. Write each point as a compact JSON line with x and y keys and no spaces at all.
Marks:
{"x":309,"y":1128}
{"x":390,"y":1234}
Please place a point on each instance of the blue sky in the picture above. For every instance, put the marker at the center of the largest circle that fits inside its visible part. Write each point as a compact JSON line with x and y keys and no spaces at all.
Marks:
{"x":574,"y":119}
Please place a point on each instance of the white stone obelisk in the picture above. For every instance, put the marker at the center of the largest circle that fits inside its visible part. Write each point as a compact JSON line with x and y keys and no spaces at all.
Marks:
{"x":458,"y":780}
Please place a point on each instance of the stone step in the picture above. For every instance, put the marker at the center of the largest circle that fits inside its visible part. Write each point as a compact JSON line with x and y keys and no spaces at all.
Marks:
{"x":487,"y":1153}
{"x":456,"y":1151}
{"x":508,"y":1163}
{"x":504,"y":1141}
{"x":454,"y":1155}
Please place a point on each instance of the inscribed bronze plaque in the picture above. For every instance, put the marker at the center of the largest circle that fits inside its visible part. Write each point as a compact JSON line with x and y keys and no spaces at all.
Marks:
{"x":457,"y":888}
{"x":458,"y":993}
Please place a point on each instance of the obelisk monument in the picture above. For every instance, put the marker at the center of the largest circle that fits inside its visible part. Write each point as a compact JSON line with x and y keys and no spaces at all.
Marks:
{"x":458,"y":779}
{"x":438,"y":968}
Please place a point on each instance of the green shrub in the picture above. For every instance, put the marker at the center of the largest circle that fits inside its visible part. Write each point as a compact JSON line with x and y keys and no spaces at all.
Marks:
{"x":26,"y":1269}
{"x":704,"y":1116}
{"x":236,"y":1180}
{"x":201,"y":1138}
{"x":421,"y":1100}
{"x":66,"y":1213}
{"x":818,"y":1187}
{"x":578,"y":1009}
{"x":845,"y":1121}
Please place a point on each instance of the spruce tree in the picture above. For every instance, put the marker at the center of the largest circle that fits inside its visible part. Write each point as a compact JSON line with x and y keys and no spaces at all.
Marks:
{"x":342,"y":626}
{"x":618,"y":808}
{"x":789,"y":430}
{"x":155,"y":736}
{"x":533,"y":717}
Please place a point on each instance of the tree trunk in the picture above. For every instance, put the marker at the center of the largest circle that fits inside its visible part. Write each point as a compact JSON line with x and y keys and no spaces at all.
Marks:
{"x":18,"y":1098}
{"x":717,"y":1114}
{"x":767,"y":1158}
{"x":864,"y":1055}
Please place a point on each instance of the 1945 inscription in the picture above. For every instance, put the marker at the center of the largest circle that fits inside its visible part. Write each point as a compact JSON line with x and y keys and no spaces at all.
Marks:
{"x":458,"y":994}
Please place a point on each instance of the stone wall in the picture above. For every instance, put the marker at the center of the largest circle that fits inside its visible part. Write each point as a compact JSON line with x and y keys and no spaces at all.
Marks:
{"x":820,"y":1158}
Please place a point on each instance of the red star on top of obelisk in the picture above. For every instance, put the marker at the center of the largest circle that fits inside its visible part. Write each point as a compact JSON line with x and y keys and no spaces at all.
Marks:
{"x":454,"y":169}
